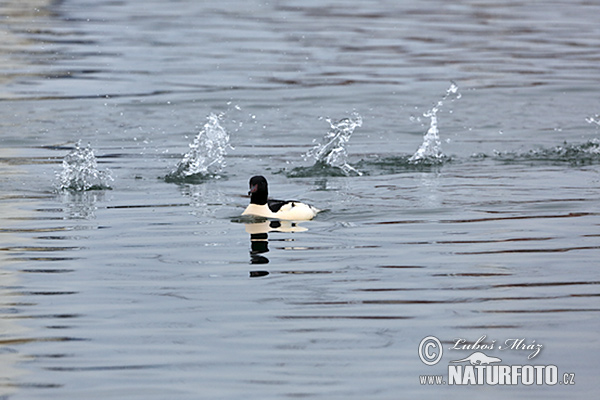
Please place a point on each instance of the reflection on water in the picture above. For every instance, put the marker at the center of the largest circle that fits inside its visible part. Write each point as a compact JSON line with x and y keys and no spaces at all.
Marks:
{"x":206,"y":200}
{"x":80,"y":205}
{"x":143,"y":291}
{"x":259,"y":239}
{"x":14,"y":297}
{"x":11,"y":333}
{"x":18,"y":17}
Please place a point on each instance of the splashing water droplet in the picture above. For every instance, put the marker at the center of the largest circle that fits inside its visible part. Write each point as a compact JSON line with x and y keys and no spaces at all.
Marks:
{"x":206,"y":156}
{"x":593,"y":120}
{"x":332,"y":150}
{"x":430,"y":150}
{"x":80,"y":171}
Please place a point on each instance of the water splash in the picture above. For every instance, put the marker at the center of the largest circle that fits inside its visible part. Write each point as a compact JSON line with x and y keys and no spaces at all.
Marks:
{"x":430,"y":151}
{"x":206,"y":157}
{"x":80,"y":171}
{"x":376,"y":165}
{"x":574,"y":154}
{"x":331,"y":152}
{"x":593,"y":120}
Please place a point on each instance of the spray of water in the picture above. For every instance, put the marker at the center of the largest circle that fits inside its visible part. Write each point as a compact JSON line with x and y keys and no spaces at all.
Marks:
{"x":206,"y":157}
{"x":575,"y":154}
{"x":80,"y":171}
{"x":332,"y":151}
{"x":593,"y":120}
{"x":430,"y":151}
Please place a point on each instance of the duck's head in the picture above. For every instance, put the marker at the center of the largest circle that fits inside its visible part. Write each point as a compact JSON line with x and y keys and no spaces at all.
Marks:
{"x":259,"y":190}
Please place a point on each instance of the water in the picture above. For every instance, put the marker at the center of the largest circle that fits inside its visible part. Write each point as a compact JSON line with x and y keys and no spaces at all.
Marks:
{"x":332,"y":152}
{"x":206,"y":157}
{"x":80,"y":171}
{"x":156,"y":289}
{"x":430,"y":150}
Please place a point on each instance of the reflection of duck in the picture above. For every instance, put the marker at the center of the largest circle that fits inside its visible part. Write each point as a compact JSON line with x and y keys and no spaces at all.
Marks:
{"x":262,"y":206}
{"x":259,"y":244}
{"x":259,"y":237}
{"x":273,"y":226}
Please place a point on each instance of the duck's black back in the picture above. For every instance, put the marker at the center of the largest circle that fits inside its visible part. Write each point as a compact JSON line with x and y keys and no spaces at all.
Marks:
{"x":275,"y":205}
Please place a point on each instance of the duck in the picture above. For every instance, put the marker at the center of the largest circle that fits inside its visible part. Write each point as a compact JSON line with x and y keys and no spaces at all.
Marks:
{"x":261,"y":206}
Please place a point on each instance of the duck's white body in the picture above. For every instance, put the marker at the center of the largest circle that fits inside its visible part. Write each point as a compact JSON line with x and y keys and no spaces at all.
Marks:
{"x":262,"y":206}
{"x":292,"y":211}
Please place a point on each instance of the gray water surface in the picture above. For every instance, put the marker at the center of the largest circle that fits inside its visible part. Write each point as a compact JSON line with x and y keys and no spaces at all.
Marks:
{"x":152,"y":289}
